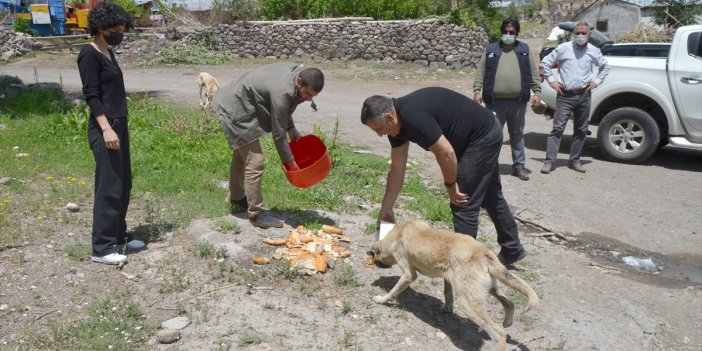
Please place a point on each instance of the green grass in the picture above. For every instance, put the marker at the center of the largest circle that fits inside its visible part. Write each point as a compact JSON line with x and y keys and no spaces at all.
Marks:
{"x":347,"y":340}
{"x":345,"y":275}
{"x":178,"y":163}
{"x":114,"y":323}
{"x":188,"y":55}
{"x":77,"y":251}
{"x":227,"y":225}
{"x":249,"y":339}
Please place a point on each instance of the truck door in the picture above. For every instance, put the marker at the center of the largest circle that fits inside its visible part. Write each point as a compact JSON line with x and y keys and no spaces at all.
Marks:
{"x":685,"y":75}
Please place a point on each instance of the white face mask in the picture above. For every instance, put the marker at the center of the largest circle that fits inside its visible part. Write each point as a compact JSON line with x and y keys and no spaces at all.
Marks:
{"x":581,"y":39}
{"x":508,"y":39}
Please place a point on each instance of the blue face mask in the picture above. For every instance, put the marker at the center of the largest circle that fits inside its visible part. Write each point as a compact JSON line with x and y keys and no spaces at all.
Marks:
{"x":508,"y":39}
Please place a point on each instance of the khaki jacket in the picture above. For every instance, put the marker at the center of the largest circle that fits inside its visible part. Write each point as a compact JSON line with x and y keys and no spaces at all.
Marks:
{"x":261,"y":101}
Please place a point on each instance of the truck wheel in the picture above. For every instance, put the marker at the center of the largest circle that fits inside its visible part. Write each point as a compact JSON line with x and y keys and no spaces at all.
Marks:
{"x":628,"y":135}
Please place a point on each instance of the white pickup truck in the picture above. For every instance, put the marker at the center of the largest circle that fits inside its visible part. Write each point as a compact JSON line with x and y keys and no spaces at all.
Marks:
{"x":647,"y":102}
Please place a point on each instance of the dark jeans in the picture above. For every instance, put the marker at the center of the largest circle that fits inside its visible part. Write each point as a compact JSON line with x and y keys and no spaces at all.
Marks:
{"x":479,"y":177}
{"x":567,"y":104}
{"x":113,"y":185}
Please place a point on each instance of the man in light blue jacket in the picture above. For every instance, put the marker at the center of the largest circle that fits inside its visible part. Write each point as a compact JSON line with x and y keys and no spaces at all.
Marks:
{"x":574,"y":86}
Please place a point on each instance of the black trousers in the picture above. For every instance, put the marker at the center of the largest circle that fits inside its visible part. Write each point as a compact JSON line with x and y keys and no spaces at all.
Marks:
{"x":479,"y":177}
{"x":113,"y":186}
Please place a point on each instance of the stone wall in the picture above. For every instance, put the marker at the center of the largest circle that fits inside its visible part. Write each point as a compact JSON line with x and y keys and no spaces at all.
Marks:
{"x":427,"y":43}
{"x":14,"y":44}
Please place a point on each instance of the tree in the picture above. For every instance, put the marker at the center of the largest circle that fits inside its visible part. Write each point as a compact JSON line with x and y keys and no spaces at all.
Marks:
{"x":676,"y":13}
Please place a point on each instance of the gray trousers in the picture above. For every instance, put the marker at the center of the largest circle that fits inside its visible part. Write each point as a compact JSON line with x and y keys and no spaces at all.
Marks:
{"x":512,"y":111}
{"x":567,"y":104}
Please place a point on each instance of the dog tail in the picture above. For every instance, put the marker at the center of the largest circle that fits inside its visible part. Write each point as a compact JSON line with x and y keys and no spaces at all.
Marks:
{"x":499,"y":272}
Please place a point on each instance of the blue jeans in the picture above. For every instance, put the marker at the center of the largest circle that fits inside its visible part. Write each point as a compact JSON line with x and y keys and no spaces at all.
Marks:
{"x":479,"y":177}
{"x":512,"y":111}
{"x":567,"y":104}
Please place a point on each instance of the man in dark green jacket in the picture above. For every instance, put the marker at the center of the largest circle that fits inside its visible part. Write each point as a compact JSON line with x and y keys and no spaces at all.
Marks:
{"x":262,"y":101}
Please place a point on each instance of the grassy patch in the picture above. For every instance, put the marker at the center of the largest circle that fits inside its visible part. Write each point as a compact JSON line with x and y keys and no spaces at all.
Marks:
{"x":77,"y":251}
{"x":188,"y":55}
{"x":249,"y":339}
{"x":178,"y":165}
{"x":287,"y":271}
{"x":369,"y":229}
{"x":227,"y":225}
{"x":345,"y":275}
{"x":528,"y":321}
{"x":347,"y":340}
{"x":114,"y":323}
{"x":345,"y":307}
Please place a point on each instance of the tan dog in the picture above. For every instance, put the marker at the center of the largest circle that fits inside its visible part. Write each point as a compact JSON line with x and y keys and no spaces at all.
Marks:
{"x":469,"y":269}
{"x":209,"y":84}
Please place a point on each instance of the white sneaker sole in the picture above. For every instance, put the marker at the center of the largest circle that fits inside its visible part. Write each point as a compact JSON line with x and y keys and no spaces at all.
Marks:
{"x":110,"y":262}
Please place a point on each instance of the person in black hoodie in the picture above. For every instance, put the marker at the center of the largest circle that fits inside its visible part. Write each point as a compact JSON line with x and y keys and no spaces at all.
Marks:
{"x":108,"y":133}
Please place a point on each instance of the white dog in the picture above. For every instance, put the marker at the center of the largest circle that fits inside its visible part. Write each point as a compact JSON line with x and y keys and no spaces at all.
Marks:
{"x":209,"y":84}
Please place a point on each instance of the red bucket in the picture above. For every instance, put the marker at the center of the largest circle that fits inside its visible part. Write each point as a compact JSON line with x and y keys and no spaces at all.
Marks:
{"x":312,"y":157}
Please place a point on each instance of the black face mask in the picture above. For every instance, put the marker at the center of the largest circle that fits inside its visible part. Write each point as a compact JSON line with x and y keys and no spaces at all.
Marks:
{"x":114,"y":39}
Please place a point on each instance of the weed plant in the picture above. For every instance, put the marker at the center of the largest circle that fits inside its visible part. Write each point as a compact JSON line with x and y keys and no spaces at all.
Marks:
{"x":249,"y":339}
{"x":347,"y":338}
{"x":77,"y":251}
{"x":345,"y":275}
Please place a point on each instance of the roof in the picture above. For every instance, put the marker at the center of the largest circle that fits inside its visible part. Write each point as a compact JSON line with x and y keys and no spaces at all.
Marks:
{"x":640,"y":3}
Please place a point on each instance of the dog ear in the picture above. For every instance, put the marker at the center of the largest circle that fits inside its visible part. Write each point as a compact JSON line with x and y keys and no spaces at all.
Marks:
{"x":374,"y":251}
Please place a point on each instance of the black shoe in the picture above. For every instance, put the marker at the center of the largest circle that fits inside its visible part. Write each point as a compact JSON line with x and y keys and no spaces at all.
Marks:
{"x":520,"y":172}
{"x":265,"y":220}
{"x":510,"y":260}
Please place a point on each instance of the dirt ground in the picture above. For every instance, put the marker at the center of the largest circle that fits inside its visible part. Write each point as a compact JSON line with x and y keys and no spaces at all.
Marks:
{"x":590,"y":299}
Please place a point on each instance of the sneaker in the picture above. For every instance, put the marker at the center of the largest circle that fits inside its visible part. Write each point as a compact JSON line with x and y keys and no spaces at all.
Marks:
{"x":264,"y":221}
{"x":113,"y":258}
{"x":510,"y":260}
{"x":546,"y":168}
{"x":577,"y":166}
{"x":520,"y":172}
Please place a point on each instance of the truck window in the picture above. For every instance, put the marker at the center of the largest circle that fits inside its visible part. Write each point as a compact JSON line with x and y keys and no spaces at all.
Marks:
{"x":694,"y":44}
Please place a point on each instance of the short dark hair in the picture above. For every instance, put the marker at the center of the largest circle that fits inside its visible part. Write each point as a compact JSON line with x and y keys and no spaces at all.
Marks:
{"x":107,"y":15}
{"x":312,"y":77}
{"x":375,"y":107}
{"x":513,"y":21}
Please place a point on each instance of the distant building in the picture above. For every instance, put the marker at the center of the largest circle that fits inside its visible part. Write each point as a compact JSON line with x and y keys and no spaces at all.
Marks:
{"x":615,"y":17}
{"x":191,"y":5}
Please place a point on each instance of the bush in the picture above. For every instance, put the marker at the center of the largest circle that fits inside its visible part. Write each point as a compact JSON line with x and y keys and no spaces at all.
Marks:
{"x":21,"y":25}
{"x":378,"y":9}
{"x":138,"y":12}
{"x":6,"y":80}
{"x":37,"y":102}
{"x":238,"y":9}
{"x":190,"y":55}
{"x":644,"y":33}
